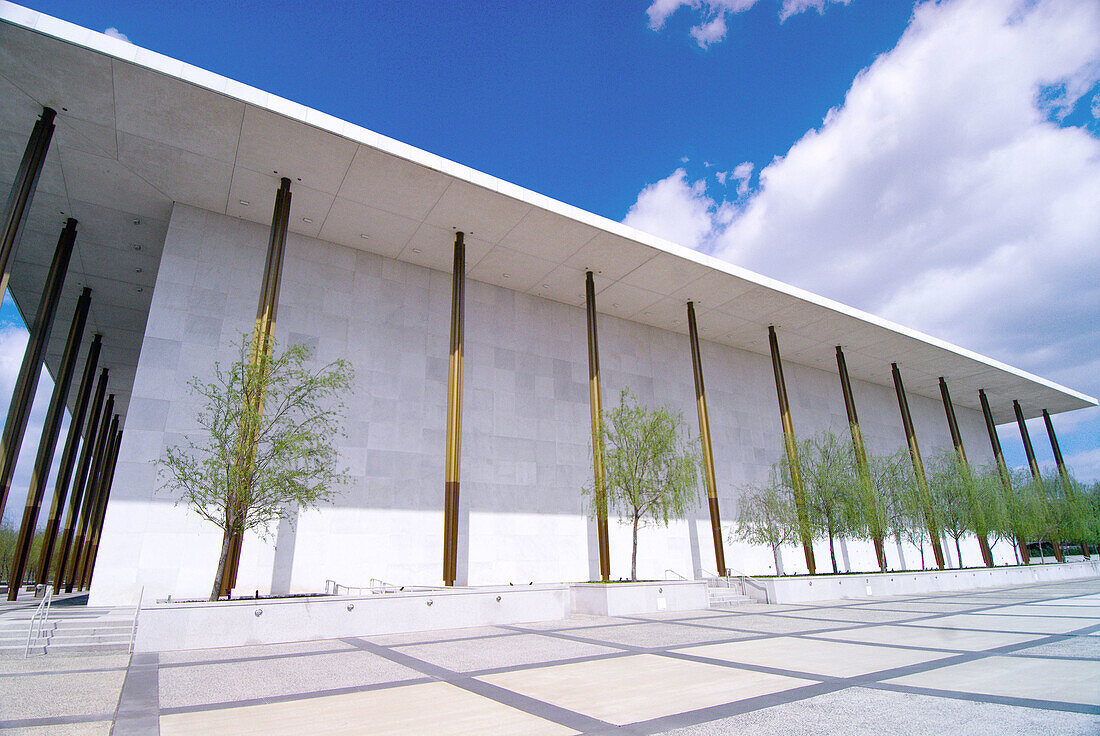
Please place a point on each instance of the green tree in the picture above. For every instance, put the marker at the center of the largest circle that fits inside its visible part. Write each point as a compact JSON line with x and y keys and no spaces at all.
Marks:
{"x":266,"y":441}
{"x":828,"y":472}
{"x":651,"y":467}
{"x":874,"y":505}
{"x":767,"y":515}
{"x":1025,"y":510}
{"x":950,"y":484}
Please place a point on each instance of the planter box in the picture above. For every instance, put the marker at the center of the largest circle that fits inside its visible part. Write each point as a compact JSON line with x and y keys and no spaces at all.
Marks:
{"x":806,"y":588}
{"x":168,"y":626}
{"x":618,"y":599}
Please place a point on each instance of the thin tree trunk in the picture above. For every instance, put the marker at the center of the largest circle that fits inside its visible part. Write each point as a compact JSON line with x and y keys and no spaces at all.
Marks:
{"x":634,"y":552}
{"x":775,"y":556}
{"x":1025,"y":554}
{"x":987,"y":553}
{"x":880,"y":553}
{"x":832,"y":552}
{"x":1016,"y":551}
{"x":922,"y":554}
{"x":1057,"y":545}
{"x":959,"y":553}
{"x":226,"y":537}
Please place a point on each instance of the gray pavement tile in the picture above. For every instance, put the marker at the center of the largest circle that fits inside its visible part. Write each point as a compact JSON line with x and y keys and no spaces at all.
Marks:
{"x":576,"y":621}
{"x":1085,"y":647}
{"x":522,"y":649}
{"x":222,"y":654}
{"x":47,"y":696}
{"x":62,"y":662}
{"x":658,"y":634}
{"x":418,"y":637}
{"x":856,"y":615}
{"x":202,"y":684}
{"x":867,"y":712}
{"x":95,"y":728}
{"x":762,"y":623}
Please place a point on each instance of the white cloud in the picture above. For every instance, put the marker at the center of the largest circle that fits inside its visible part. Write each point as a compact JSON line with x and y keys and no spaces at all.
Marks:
{"x":942,"y":194}
{"x":713,"y":13}
{"x":675,"y":209}
{"x":115,"y":33}
{"x":742,"y":174}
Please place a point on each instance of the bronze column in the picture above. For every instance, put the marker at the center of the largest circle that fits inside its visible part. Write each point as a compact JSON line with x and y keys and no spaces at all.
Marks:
{"x":1062,"y":469}
{"x":91,"y":487}
{"x":103,"y":493}
{"x":595,"y":399}
{"x":80,"y":498}
{"x":791,"y":444}
{"x":1002,"y":469}
{"x":956,"y":439}
{"x":454,"y":415}
{"x":266,"y":311}
{"x":23,"y":188}
{"x":918,"y":466}
{"x":858,"y":446}
{"x":51,"y":427}
{"x":704,"y":437}
{"x":68,"y":460}
{"x":27,"y":382}
{"x":1033,"y":464}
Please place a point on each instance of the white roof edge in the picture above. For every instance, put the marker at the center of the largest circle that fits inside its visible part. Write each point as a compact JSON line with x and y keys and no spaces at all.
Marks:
{"x":125,"y":51}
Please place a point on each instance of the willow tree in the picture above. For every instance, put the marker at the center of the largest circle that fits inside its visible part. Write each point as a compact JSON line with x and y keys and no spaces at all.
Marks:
{"x":651,"y":468}
{"x":949,"y":483}
{"x":265,"y":445}
{"x":875,"y":503}
{"x":767,"y":515}
{"x":829,"y":474}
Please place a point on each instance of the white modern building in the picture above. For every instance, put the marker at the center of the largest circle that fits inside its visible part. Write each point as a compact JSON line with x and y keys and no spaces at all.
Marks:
{"x":172,"y":172}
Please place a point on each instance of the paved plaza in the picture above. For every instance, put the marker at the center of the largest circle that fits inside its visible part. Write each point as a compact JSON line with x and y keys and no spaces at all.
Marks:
{"x":1020,"y":660}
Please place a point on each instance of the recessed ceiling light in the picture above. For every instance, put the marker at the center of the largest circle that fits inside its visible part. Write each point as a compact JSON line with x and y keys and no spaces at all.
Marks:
{"x":546,"y":286}
{"x":139,"y":289}
{"x":616,"y":305}
{"x":416,"y":250}
{"x":137,"y":222}
{"x":244,"y":202}
{"x":307,"y":220}
{"x":506,"y":276}
{"x":646,"y":313}
{"x":364,"y":236}
{"x":675,"y":321}
{"x":136,"y":246}
{"x":138,"y":270}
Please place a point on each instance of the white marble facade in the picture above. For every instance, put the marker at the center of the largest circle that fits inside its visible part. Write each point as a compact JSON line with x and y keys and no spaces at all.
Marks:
{"x":526,"y":434}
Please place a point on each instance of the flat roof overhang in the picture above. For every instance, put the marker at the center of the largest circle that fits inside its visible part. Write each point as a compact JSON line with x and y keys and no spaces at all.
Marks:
{"x":137,"y":131}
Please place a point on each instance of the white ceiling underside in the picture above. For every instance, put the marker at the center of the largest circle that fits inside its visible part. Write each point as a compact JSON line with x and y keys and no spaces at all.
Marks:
{"x":137,"y":131}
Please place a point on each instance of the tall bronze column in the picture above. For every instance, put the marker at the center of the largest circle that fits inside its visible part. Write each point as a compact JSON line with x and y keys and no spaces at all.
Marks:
{"x":23,"y":188}
{"x":704,"y":437}
{"x":68,"y":460}
{"x":80,"y":497}
{"x":1002,"y":469}
{"x":956,"y":439}
{"x":91,"y":488}
{"x":918,"y":467}
{"x":27,"y":382}
{"x":857,"y":445}
{"x":791,"y":444}
{"x":454,"y":415}
{"x":266,"y":312}
{"x":1033,"y":464}
{"x":595,"y":400}
{"x":1062,"y":469}
{"x":51,"y":427}
{"x":103,"y":492}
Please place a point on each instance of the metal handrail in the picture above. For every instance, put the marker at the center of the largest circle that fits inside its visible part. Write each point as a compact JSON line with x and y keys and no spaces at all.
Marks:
{"x":743,"y":579}
{"x":137,"y":612}
{"x":667,"y":571}
{"x":377,"y":587}
{"x":43,"y":610}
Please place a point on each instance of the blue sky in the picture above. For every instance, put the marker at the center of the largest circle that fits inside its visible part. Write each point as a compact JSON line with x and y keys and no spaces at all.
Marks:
{"x":937,"y":164}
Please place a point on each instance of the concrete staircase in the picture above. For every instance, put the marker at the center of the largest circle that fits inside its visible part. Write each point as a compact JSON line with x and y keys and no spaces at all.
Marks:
{"x":722,"y":597}
{"x":73,"y":629}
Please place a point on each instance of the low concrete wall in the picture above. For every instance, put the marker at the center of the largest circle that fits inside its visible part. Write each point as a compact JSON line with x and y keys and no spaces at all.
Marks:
{"x":618,"y":599}
{"x":169,"y":626}
{"x":803,"y":589}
